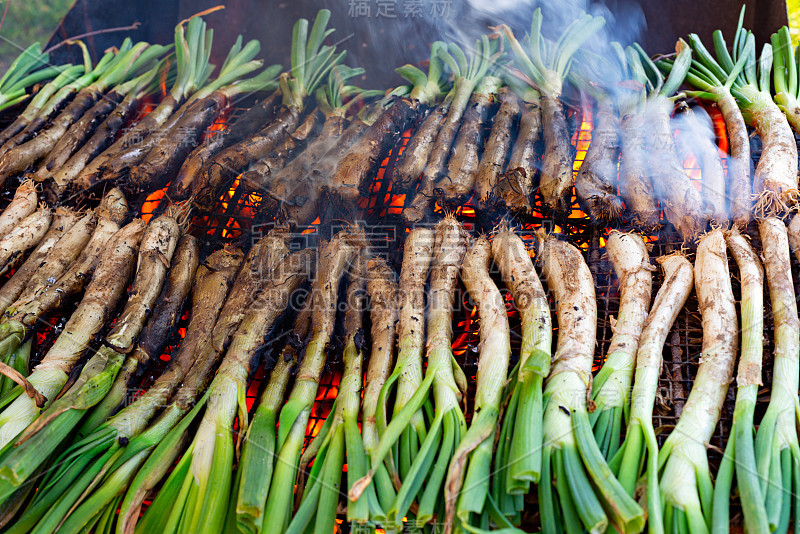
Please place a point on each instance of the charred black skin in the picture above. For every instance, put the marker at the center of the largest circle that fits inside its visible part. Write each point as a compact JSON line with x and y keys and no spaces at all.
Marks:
{"x":497,"y":149}
{"x":415,"y":156}
{"x":80,"y":131}
{"x":595,"y":182}
{"x":555,"y":179}
{"x":260,"y":175}
{"x":21,"y":131}
{"x":167,"y":311}
{"x":100,"y":140}
{"x":354,"y":168}
{"x":163,"y":161}
{"x":25,"y":154}
{"x":223,"y":168}
{"x":247,"y":124}
{"x":517,"y":184}
{"x":454,"y":188}
{"x":299,"y":206}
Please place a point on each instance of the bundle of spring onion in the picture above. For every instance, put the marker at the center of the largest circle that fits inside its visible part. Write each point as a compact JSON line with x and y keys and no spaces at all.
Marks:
{"x":205,"y":468}
{"x":104,"y":461}
{"x":739,"y":458}
{"x":339,"y":439}
{"x":586,"y":491}
{"x":546,"y":65}
{"x":685,"y":480}
{"x":310,"y":63}
{"x":130,"y":62}
{"x":747,"y":78}
{"x":42,"y":438}
{"x":423,"y":450}
{"x":469,"y":71}
{"x":109,"y":281}
{"x":334,"y":258}
{"x":640,"y":439}
{"x":519,"y":452}
{"x":611,"y":387}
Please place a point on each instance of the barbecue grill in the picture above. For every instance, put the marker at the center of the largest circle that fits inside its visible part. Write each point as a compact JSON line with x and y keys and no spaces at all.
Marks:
{"x":240,"y":216}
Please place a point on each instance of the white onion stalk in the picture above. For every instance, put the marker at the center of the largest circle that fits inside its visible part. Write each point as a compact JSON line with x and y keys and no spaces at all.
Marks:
{"x":776,"y":448}
{"x":611,"y":387}
{"x":519,"y":451}
{"x":467,"y":486}
{"x":640,"y":439}
{"x":740,"y":450}
{"x":685,"y":481}
{"x":587,"y":493}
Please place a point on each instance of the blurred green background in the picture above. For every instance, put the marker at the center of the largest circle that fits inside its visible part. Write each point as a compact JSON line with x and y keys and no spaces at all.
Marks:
{"x":26,"y":22}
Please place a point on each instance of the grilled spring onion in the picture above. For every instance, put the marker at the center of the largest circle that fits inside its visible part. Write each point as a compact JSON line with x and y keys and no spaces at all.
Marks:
{"x":340,"y":439}
{"x":747,"y":78}
{"x":423,"y":466}
{"x":462,"y":169}
{"x":383,"y":292}
{"x":310,"y":63}
{"x":103,"y":292}
{"x":640,"y":437}
{"x":21,"y":318}
{"x":288,"y":184}
{"x":81,"y":465}
{"x":519,"y":451}
{"x":498,"y":146}
{"x":406,"y":379}
{"x":611,"y":387}
{"x":25,"y":236}
{"x":256,"y":465}
{"x":467,"y":485}
{"x":715,"y":84}
{"x":56,"y":423}
{"x":45,"y":104}
{"x":160,"y":327}
{"x":192,"y":52}
{"x":776,"y":448}
{"x":740,"y":452}
{"x":517,"y":184}
{"x":333,"y":260}
{"x":683,"y":204}
{"x":206,"y":467}
{"x":685,"y":481}
{"x":587,"y":493}
{"x":165,"y":158}
{"x":23,"y":204}
{"x":39,"y":102}
{"x":129,"y":62}
{"x":247,"y":124}
{"x":468,"y":73}
{"x":547,"y":64}
{"x":94,"y":131}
